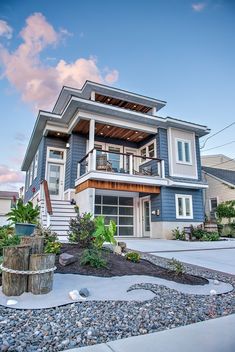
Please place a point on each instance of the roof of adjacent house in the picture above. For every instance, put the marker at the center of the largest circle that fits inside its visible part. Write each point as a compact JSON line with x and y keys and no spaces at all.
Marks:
{"x":227,"y":176}
{"x":9,"y":194}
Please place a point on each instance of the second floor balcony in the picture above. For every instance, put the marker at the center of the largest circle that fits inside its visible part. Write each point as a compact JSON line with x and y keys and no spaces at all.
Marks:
{"x":115,"y":166}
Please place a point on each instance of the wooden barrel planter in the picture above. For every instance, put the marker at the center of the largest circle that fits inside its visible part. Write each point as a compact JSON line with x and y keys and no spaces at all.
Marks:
{"x":36,"y":243}
{"x":15,"y":258}
{"x":41,"y":283}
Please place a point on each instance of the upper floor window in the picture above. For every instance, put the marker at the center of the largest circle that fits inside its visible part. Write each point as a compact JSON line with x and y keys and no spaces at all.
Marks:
{"x":56,"y":154}
{"x":183,"y":151}
{"x":31,"y":174}
{"x":184,"y":206}
{"x":36,"y":165}
{"x":148,"y":151}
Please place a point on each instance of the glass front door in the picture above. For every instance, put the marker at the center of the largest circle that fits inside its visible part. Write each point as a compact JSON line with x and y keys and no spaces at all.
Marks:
{"x":55,"y":180}
{"x":146,"y":217}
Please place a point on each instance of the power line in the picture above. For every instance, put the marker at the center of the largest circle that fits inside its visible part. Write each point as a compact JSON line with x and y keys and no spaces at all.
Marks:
{"x":219,"y":146}
{"x":215,"y":134}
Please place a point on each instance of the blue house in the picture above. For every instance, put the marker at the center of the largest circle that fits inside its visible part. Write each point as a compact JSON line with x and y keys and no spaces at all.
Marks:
{"x":108,"y":150}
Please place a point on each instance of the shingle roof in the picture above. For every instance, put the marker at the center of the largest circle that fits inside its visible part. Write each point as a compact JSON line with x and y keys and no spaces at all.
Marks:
{"x":8,"y":194}
{"x":222,"y":174}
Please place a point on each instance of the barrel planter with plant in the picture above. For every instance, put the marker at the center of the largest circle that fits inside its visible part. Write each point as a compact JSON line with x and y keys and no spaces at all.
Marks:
{"x":24,"y":217}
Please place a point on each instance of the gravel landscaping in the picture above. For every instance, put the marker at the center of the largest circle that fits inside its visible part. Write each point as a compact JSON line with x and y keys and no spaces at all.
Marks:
{"x":88,"y":323}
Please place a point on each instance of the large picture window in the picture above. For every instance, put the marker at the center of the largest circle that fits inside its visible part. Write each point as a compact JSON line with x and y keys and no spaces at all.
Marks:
{"x":118,"y":209}
{"x":184,"y":206}
{"x":183,"y":151}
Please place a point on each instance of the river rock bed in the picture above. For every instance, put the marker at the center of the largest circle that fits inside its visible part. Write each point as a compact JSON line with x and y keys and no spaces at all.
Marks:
{"x":87,"y":323}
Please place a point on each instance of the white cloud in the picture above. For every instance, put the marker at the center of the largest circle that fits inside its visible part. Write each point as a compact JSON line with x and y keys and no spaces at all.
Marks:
{"x":5,"y":30}
{"x":38,"y":83}
{"x":198,"y":7}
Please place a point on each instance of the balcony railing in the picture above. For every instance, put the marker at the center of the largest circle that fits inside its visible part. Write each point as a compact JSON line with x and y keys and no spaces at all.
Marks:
{"x":121,"y":163}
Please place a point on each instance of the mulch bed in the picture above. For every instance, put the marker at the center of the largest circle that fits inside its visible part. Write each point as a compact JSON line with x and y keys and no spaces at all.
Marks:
{"x":119,"y":266}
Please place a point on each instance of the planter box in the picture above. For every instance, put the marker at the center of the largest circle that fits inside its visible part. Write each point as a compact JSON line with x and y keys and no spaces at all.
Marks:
{"x":24,"y":229}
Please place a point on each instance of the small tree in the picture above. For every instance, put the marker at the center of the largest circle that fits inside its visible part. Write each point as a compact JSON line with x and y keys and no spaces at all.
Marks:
{"x":226,"y":210}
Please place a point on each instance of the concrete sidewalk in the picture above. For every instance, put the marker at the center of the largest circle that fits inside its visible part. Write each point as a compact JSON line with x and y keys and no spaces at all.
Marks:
{"x":215,"y":335}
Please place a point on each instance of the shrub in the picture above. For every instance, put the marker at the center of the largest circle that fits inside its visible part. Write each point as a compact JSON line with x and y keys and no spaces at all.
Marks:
{"x":104,"y":233}
{"x":52,"y":247}
{"x":226,"y":210}
{"x":210,"y":236}
{"x":93,"y":258}
{"x":24,"y":213}
{"x":178,"y":235}
{"x":81,"y":230}
{"x":197,"y":233}
{"x":133,"y":257}
{"x":7,"y":239}
{"x":228,"y":230}
{"x":176,"y":266}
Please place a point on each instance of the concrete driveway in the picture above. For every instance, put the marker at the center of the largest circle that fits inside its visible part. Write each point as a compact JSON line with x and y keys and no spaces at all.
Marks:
{"x":213,"y":255}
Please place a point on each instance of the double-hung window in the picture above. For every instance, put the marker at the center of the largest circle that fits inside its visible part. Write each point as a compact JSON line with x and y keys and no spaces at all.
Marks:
{"x":183,"y":151}
{"x":36,"y":165}
{"x":148,"y":151}
{"x":184,"y":206}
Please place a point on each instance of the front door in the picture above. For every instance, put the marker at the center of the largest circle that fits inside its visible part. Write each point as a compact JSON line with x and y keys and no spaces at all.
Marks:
{"x":146,"y":217}
{"x":55,"y":177}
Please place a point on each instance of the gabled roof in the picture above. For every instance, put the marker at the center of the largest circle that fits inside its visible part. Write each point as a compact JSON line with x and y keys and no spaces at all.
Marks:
{"x":227,"y":176}
{"x":8,"y":194}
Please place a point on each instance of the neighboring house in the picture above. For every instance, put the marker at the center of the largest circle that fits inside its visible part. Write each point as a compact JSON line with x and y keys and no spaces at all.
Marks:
{"x":6,"y":202}
{"x":107,"y":149}
{"x":219,"y":161}
{"x":221,"y":188}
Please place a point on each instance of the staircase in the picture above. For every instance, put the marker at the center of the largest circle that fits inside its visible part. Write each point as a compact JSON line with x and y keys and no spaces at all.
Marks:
{"x":62,"y":212}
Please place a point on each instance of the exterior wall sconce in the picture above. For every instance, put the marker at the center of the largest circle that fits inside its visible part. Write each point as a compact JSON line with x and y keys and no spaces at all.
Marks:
{"x":67,"y":145}
{"x":156,"y":212}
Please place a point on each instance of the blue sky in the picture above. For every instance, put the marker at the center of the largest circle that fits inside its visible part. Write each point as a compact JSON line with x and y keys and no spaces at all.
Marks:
{"x":179,"y":51}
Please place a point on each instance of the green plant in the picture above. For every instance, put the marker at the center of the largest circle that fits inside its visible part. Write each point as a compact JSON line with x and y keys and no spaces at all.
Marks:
{"x":7,"y":239}
{"x":226,"y":210}
{"x":228,"y":230}
{"x":93,"y":258}
{"x":210,"y":236}
{"x":178,"y":235}
{"x":197,"y":232}
{"x":24,"y":213}
{"x":52,"y":247}
{"x":47,"y":233}
{"x":81,"y":230}
{"x":176,"y":266}
{"x":133,"y":257}
{"x":104,"y":233}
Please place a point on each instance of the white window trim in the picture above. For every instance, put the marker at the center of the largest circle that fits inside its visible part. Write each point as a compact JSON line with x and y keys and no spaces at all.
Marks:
{"x":36,"y":165}
{"x":210,"y":207}
{"x":54,"y":160}
{"x":153,"y":141}
{"x":184,"y":196}
{"x":184,"y":141}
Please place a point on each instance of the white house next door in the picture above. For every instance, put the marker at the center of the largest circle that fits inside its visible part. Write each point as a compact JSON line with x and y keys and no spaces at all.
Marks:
{"x":146,"y":217}
{"x":55,"y":180}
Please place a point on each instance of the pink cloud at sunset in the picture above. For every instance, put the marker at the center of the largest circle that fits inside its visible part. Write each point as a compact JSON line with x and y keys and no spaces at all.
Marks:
{"x":38,"y":83}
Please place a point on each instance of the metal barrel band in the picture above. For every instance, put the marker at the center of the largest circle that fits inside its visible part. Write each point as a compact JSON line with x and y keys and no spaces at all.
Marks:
{"x":27,"y":272}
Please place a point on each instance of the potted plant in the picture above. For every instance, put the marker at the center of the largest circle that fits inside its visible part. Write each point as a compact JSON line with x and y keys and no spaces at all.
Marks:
{"x":24,"y":217}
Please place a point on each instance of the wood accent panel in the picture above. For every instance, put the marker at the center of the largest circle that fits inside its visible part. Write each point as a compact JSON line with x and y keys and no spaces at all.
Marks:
{"x":111,"y":131}
{"x":122,"y":103}
{"x":117,"y":186}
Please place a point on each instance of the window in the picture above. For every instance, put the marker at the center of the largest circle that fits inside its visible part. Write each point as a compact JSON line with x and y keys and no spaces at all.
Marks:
{"x":148,"y":151}
{"x":31,"y":174}
{"x":56,"y":154}
{"x":118,"y":209}
{"x":36,"y":165}
{"x":213,"y":204}
{"x":183,"y":151}
{"x":184,"y":206}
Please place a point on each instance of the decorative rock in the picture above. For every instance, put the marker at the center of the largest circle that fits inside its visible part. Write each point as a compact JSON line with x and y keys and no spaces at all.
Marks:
{"x":108,"y":246}
{"x":213,"y":292}
{"x":75,"y":296}
{"x":122,"y":245}
{"x":117,"y":250}
{"x":66,"y":259}
{"x":5,"y":346}
{"x":84,"y":292}
{"x":216,"y":282}
{"x":11,"y":302}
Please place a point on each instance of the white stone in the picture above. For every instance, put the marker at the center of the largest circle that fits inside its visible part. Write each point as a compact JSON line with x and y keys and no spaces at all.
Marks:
{"x":213,"y":292}
{"x":216,"y":282}
{"x":117,"y":250}
{"x":75,"y":296}
{"x":11,"y":302}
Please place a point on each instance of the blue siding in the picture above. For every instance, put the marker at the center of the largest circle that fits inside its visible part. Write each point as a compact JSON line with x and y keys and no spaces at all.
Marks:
{"x":165,"y":202}
{"x":162,"y":148}
{"x":75,"y":153}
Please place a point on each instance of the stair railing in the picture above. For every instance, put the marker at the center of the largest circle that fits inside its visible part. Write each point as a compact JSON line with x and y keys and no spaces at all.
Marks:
{"x":45,"y":196}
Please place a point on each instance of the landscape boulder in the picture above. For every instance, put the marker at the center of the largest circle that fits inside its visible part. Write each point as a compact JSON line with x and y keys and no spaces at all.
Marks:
{"x":122,"y":245}
{"x":84,"y":292}
{"x":66,"y":259}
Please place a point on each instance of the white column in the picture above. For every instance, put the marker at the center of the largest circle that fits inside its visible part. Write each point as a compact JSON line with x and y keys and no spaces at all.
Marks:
{"x":163,"y":168}
{"x":93,"y":164}
{"x":91,"y":142}
{"x":78,"y":170}
{"x":93,"y":95}
{"x":130,"y":156}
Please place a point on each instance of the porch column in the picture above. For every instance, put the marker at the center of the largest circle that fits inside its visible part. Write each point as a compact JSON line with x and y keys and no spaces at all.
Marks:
{"x":91,"y":145}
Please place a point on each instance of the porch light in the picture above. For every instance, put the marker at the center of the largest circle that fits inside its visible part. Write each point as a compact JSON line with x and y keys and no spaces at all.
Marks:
{"x":58,"y":133}
{"x":108,"y":126}
{"x":136,"y":132}
{"x":101,"y":133}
